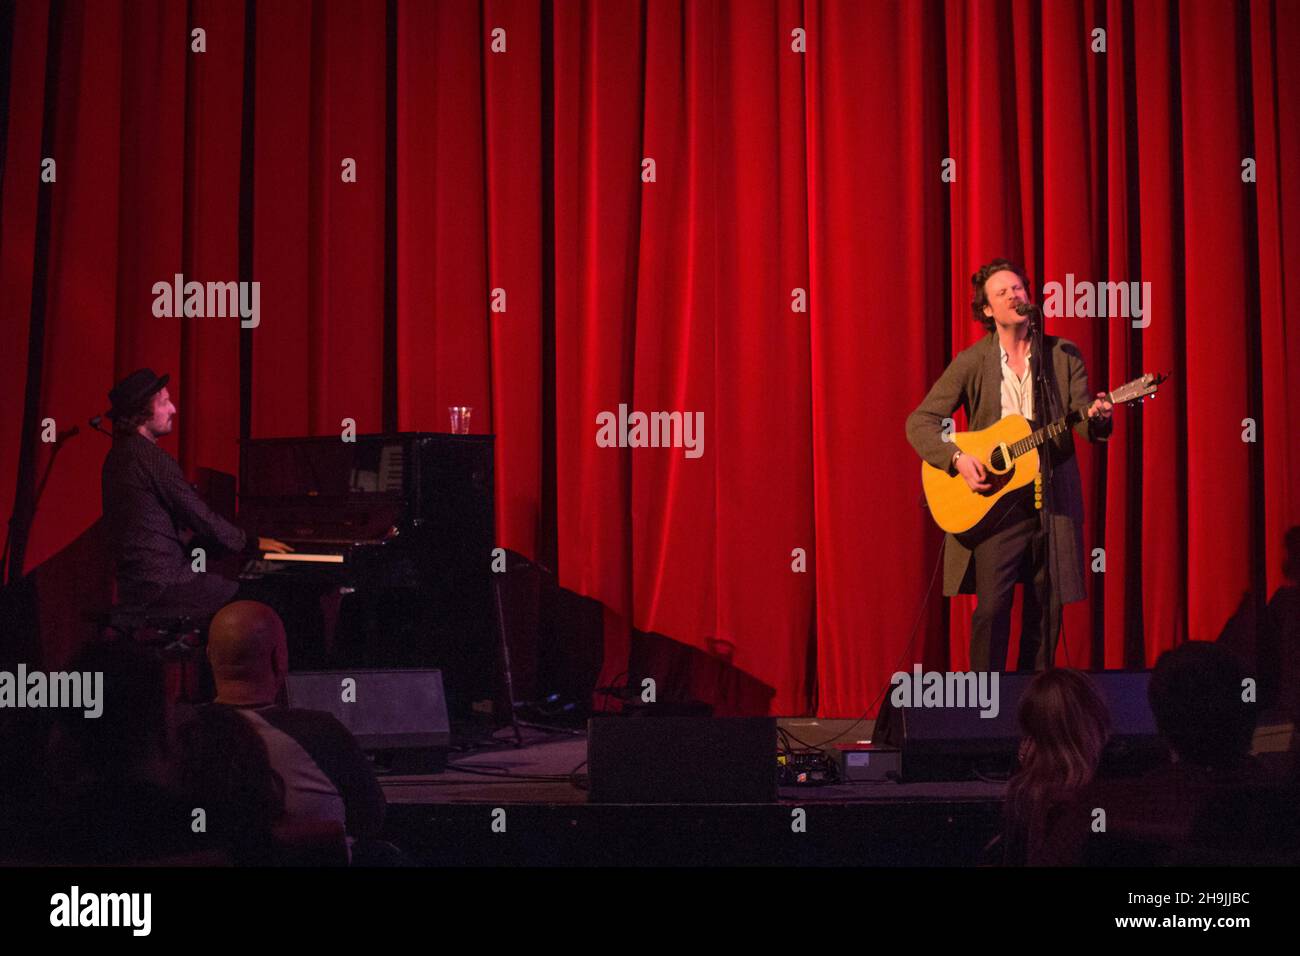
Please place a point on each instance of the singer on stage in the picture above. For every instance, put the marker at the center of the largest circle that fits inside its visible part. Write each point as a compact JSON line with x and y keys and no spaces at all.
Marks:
{"x":997,"y":376}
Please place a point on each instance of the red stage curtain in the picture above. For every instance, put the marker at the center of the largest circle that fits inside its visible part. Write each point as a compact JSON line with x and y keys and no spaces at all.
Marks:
{"x":797,"y":270}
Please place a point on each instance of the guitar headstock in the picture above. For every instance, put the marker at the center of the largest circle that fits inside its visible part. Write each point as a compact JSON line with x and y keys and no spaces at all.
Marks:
{"x":1137,"y":389}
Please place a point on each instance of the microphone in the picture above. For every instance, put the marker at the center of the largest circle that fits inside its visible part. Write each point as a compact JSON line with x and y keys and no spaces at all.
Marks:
{"x":94,"y":423}
{"x":1034,"y":314}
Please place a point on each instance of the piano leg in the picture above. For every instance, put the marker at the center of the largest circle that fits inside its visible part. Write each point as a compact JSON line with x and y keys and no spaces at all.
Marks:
{"x":330,"y":602}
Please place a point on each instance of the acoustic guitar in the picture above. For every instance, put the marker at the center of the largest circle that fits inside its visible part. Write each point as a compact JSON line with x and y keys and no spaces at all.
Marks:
{"x":1009,"y":452}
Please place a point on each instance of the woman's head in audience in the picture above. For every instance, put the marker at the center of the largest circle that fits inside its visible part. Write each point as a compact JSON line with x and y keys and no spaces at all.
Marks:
{"x":1064,"y":725}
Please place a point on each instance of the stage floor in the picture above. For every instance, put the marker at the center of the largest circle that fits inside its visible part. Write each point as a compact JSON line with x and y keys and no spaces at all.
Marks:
{"x":551,"y":769}
{"x":497,"y":805}
{"x":502,"y":806}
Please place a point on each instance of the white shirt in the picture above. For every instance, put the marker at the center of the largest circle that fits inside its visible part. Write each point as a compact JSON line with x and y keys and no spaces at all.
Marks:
{"x":1017,"y":392}
{"x":308,"y":792}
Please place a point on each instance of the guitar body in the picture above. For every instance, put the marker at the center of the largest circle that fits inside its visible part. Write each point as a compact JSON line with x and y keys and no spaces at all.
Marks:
{"x":952,"y":503}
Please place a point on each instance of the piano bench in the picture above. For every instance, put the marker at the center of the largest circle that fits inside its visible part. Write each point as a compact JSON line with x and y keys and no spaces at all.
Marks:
{"x":171,"y":637}
{"x":178,"y":641}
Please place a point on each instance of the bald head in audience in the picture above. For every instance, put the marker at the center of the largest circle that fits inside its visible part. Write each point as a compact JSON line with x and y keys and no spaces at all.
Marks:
{"x":249,"y":654}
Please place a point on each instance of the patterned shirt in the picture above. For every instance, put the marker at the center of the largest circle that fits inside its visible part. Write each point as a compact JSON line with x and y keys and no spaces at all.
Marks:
{"x":148,"y":507}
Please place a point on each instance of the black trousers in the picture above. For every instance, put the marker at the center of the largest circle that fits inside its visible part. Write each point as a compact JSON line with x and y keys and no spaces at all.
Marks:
{"x":1016,"y":550}
{"x":200,"y":599}
{"x":197,"y":599}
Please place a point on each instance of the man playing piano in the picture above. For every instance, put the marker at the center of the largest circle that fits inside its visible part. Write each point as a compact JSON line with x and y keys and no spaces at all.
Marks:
{"x":150,"y":512}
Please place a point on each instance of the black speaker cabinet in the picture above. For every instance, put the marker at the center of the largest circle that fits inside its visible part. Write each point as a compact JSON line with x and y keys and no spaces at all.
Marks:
{"x":651,"y":759}
{"x":391,"y":713}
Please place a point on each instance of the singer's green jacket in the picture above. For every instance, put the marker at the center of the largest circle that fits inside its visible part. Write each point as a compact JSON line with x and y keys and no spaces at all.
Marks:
{"x":973,"y":381}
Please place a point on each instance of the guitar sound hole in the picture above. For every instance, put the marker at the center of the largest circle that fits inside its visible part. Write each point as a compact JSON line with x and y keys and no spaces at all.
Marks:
{"x":996,"y":459}
{"x":995,"y":482}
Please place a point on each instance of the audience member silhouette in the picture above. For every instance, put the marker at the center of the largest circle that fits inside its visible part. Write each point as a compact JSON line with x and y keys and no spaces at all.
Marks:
{"x":1279,"y":638}
{"x":117,"y":789}
{"x":112,"y":794}
{"x":23,"y":778}
{"x":225,"y":766}
{"x":1199,"y":697}
{"x":1065,"y":725}
{"x":325,"y":775}
{"x":1267,"y":638}
{"x":1204,"y":712}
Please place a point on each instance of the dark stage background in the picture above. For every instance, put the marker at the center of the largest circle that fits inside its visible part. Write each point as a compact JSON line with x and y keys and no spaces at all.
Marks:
{"x":775,"y":170}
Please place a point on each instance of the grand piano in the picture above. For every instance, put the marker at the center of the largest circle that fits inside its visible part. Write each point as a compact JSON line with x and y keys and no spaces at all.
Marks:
{"x":392,"y":539}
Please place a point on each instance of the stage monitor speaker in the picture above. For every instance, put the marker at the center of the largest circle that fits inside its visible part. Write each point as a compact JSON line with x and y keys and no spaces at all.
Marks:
{"x":390,"y":711}
{"x":650,"y":759}
{"x":956,"y":743}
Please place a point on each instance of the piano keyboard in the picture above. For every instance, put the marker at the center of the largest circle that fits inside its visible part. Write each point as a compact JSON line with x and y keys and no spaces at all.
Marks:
{"x":303,"y":556}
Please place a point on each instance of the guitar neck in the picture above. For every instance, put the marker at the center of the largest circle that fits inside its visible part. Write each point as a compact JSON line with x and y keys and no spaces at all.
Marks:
{"x":1137,"y":390}
{"x":1045,"y":434}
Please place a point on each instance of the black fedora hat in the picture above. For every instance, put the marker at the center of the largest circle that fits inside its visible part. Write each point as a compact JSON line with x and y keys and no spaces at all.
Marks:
{"x":130,"y":394}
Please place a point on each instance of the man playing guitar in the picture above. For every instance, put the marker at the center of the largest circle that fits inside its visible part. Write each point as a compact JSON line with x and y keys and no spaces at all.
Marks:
{"x":992,"y":379}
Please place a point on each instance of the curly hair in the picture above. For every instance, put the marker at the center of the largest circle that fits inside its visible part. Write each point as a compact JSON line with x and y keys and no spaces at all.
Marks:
{"x":980,"y":298}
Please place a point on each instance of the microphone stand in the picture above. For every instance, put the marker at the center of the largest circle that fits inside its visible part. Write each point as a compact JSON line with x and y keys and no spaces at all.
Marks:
{"x":21,"y":521}
{"x":1046,"y":409}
